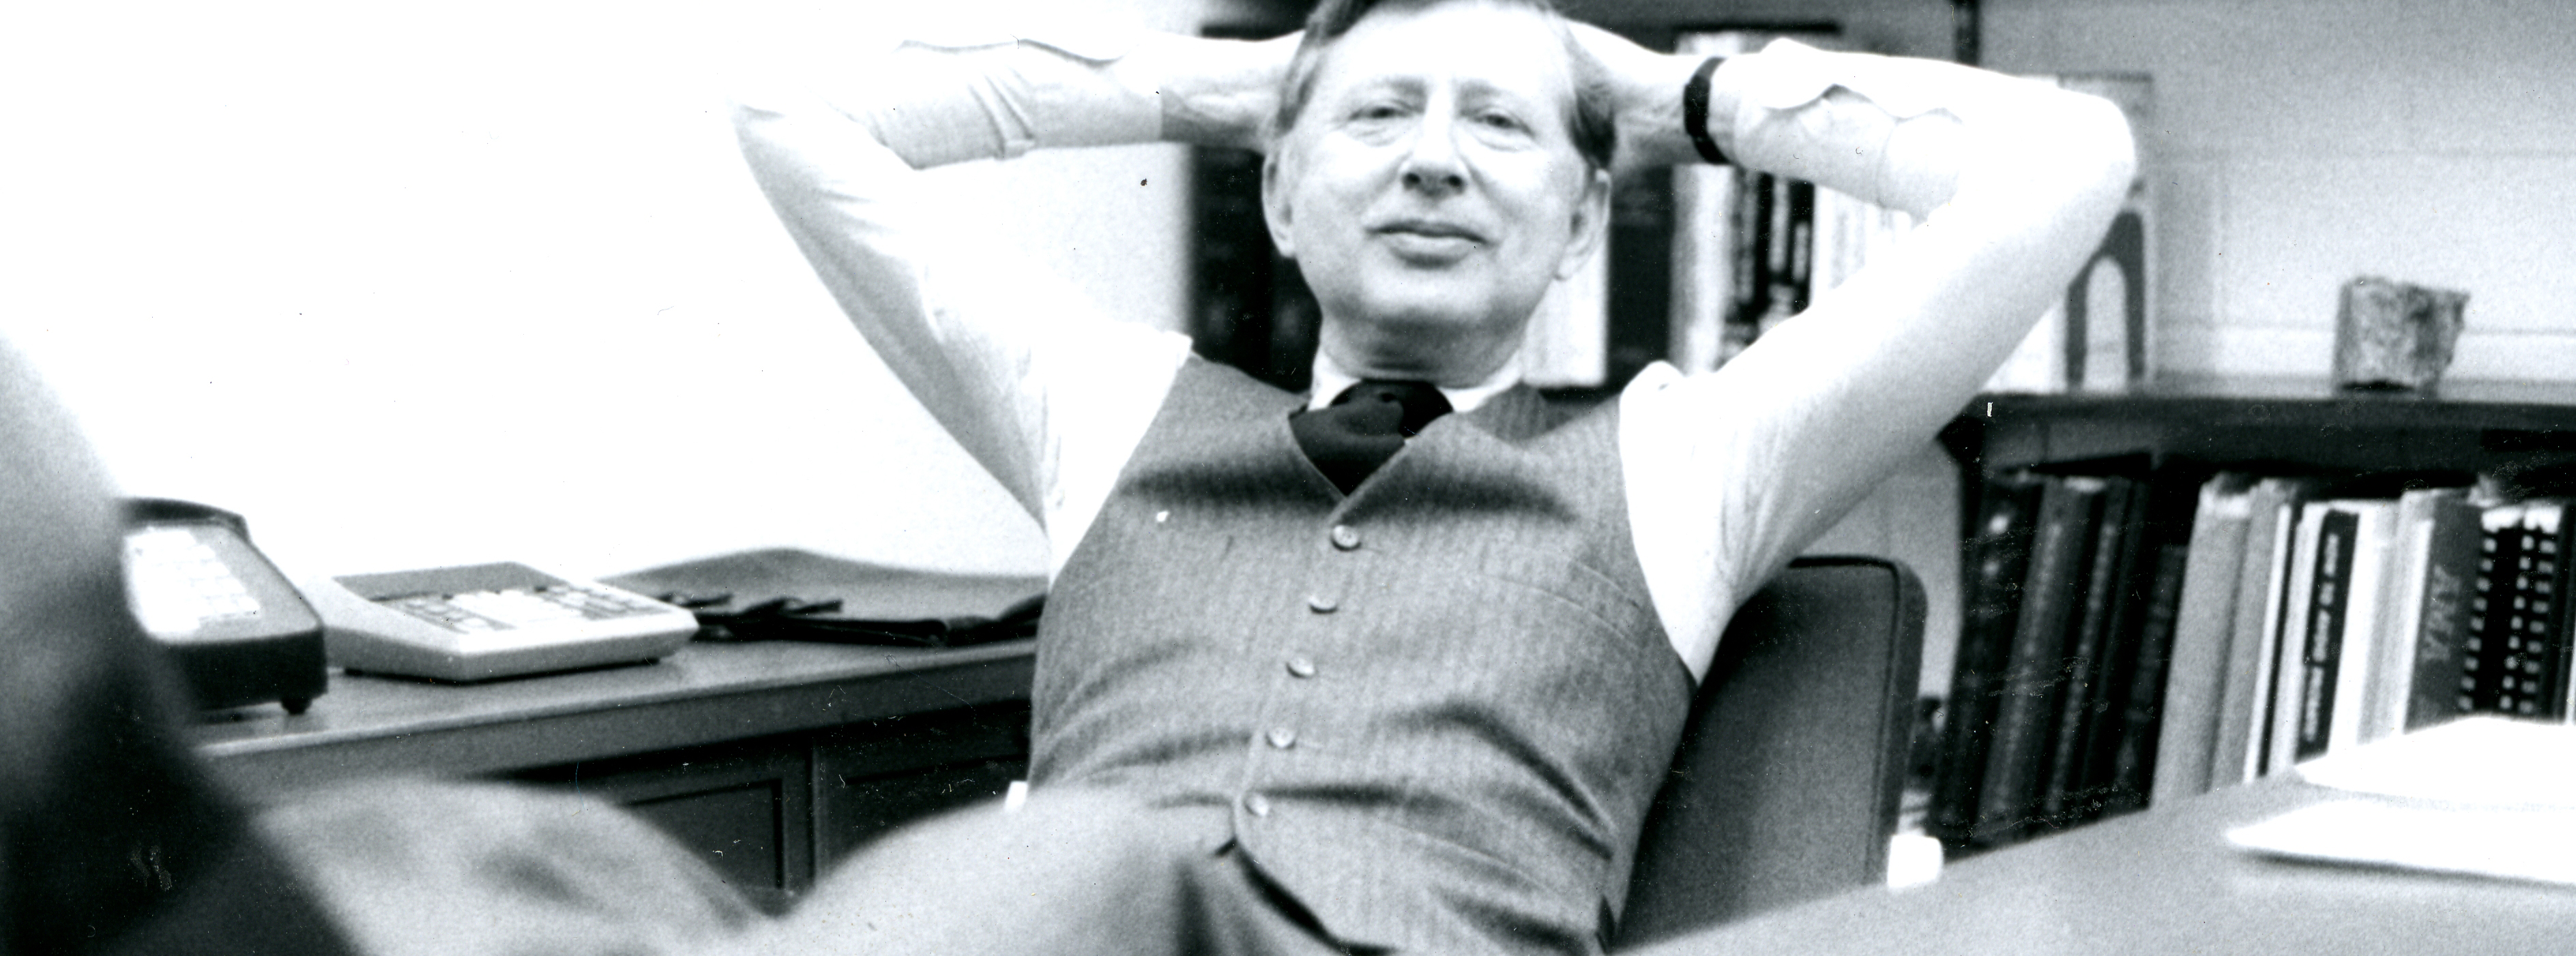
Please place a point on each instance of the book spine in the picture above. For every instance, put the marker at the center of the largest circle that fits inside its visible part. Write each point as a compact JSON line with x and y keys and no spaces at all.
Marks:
{"x":2085,"y":695}
{"x":2442,"y":639}
{"x":1232,"y":259}
{"x":2329,"y":599}
{"x":2249,"y":669}
{"x":2499,"y":554}
{"x":1800,"y":274}
{"x":2135,"y":764}
{"x":1752,"y":283}
{"x":2528,"y":677}
{"x":2401,"y":614}
{"x":2357,"y":666}
{"x":1637,"y":305}
{"x":2206,"y":608}
{"x":2141,"y":628}
{"x":2001,"y":559}
{"x":2552,"y":606}
{"x":2010,"y":794}
{"x":2289,"y":646}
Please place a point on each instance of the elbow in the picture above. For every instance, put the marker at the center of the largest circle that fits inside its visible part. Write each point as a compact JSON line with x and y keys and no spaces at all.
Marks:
{"x":2100,"y":158}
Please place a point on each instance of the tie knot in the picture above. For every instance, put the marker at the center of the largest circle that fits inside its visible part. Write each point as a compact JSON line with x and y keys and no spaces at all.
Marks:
{"x":1414,"y":404}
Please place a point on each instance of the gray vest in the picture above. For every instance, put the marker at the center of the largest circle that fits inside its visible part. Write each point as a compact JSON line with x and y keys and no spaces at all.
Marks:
{"x":1434,"y":712}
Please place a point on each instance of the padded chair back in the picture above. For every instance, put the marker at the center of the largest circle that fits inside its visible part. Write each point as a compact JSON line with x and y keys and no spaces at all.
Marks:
{"x":1786,"y":785}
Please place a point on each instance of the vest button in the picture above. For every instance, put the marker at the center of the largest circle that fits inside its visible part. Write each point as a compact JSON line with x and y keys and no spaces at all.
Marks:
{"x":1321,"y":604}
{"x":1301,"y":667}
{"x":1282,"y":737}
{"x":1346,"y":537}
{"x":1256,"y":804}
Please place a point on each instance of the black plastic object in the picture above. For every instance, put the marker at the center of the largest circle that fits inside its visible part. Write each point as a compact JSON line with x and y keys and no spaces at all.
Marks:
{"x":272,"y":655}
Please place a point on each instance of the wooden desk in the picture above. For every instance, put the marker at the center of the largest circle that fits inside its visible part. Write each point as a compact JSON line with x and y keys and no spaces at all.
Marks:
{"x":774,"y":758}
{"x":2165,"y":881}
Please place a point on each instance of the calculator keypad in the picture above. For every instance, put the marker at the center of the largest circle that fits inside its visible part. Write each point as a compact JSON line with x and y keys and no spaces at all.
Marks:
{"x":480,"y":612}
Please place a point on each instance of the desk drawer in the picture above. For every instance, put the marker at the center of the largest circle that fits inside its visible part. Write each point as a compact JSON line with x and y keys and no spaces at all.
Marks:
{"x":746,"y":807}
{"x":871,"y":778}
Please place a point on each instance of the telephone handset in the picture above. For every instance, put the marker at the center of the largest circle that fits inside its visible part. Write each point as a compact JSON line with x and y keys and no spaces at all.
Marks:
{"x":238,"y":632}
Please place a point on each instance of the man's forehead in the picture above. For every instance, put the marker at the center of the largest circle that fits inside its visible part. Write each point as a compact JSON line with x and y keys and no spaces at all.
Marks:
{"x":1482,"y":46}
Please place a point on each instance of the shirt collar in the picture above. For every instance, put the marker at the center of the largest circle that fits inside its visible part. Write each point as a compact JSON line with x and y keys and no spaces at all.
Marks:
{"x":1330,"y":380}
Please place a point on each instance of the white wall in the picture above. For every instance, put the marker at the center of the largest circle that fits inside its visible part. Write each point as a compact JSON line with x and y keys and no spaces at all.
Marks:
{"x":2300,"y":143}
{"x":2303,"y":142}
{"x":432,"y":283}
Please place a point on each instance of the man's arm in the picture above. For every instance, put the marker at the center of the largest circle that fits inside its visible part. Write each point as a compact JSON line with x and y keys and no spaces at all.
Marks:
{"x":1731,"y":473}
{"x":1046,"y":393}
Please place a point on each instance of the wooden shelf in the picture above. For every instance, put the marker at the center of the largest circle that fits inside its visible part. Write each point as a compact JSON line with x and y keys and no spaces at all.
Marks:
{"x":2468,"y":426}
{"x":2213,"y":401}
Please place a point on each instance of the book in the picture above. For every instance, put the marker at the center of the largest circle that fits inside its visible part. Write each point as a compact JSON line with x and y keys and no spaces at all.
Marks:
{"x":2136,"y":760}
{"x":2290,"y":644}
{"x":2197,"y":668}
{"x":1999,"y":558}
{"x":2261,"y":586}
{"x":2534,"y":663}
{"x":2400,"y":616}
{"x":1704,"y":199}
{"x":2329,"y":610}
{"x":2444,"y":622}
{"x":2008,"y":801}
{"x":2122,"y":741}
{"x":2357,"y":644}
{"x":2410,"y":576}
{"x":2255,"y":648}
{"x":2491,"y":605}
{"x":2084,"y":699}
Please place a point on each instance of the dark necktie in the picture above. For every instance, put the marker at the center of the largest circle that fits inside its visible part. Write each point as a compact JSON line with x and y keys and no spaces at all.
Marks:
{"x":1366,"y":425}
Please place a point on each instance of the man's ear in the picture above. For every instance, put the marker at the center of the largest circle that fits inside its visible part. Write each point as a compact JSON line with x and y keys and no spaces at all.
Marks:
{"x":1274,"y":199}
{"x":1591,"y":224}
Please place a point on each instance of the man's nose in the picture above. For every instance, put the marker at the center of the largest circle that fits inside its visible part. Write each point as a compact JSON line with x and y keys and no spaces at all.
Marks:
{"x":1433,"y":165}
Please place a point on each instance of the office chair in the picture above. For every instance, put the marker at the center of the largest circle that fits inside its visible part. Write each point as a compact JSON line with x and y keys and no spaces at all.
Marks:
{"x":1786,"y":785}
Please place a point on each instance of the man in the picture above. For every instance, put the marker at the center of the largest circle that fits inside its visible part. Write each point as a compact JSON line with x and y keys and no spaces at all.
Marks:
{"x":1292,"y":699}
{"x":1400,"y":661}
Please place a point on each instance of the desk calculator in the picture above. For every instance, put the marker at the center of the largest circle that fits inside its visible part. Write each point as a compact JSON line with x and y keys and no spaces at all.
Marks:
{"x":484,"y":621}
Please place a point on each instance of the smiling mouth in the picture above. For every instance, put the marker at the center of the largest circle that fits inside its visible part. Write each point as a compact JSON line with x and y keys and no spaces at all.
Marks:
{"x":1424,"y":229}
{"x":1434,"y":244}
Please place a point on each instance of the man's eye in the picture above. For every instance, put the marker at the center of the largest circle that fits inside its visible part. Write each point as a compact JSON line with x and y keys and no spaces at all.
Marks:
{"x":1378,"y":111}
{"x":1500,"y":121}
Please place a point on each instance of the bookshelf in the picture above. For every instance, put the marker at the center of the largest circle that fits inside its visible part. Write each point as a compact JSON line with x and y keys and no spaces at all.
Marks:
{"x":2165,"y":440}
{"x":2468,"y":425}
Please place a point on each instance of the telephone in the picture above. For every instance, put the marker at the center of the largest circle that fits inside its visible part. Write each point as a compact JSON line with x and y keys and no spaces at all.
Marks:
{"x":238,"y":632}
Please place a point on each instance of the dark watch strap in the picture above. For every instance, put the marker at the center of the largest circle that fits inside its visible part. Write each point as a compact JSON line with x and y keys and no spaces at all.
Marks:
{"x":1695,"y":111}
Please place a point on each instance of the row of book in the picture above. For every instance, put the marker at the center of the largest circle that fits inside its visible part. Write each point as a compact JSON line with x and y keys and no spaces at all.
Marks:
{"x":2073,"y":587}
{"x":2134,"y":636}
{"x":2341,"y":619}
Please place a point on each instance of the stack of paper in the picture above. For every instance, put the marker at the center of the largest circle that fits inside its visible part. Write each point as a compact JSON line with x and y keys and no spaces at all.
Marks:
{"x":2481,"y":795}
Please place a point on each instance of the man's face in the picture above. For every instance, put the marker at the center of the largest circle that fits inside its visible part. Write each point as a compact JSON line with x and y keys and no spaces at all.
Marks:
{"x":1430,"y":188}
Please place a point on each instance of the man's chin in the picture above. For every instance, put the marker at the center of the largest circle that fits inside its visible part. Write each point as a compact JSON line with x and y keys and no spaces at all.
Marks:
{"x":1431,"y":317}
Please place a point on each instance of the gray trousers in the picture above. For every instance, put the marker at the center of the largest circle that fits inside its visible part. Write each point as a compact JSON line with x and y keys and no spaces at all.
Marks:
{"x":411,"y":867}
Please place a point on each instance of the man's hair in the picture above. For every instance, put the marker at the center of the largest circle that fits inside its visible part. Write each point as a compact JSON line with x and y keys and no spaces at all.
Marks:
{"x":1591,"y":122}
